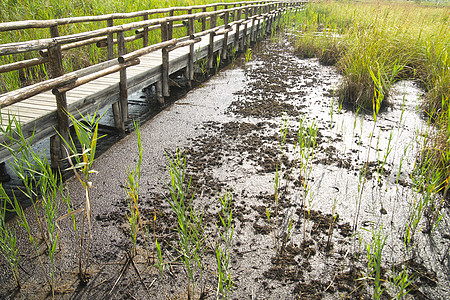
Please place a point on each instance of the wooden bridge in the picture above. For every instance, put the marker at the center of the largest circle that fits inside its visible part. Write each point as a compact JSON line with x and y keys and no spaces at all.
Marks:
{"x":209,"y":32}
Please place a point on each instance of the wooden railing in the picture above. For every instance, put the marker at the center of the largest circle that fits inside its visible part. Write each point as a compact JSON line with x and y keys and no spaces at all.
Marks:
{"x":50,"y":51}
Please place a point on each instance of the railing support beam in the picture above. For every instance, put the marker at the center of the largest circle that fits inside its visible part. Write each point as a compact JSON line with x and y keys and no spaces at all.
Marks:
{"x":56,"y":69}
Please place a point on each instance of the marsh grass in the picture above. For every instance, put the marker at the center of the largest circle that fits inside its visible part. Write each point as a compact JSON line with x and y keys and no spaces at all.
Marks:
{"x":81,"y":163}
{"x":132,"y":189}
{"x":374,"y":254}
{"x":42,"y":186}
{"x":8,"y":242}
{"x":379,"y":37}
{"x":306,"y":141}
{"x":190,"y":227}
{"x":374,"y":44}
{"x":223,"y":247}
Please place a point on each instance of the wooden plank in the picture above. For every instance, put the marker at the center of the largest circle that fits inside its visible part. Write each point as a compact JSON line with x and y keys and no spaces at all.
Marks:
{"x":26,"y":105}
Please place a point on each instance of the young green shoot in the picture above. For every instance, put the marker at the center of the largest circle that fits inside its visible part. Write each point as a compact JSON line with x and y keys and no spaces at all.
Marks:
{"x":223,"y":247}
{"x":81,"y":163}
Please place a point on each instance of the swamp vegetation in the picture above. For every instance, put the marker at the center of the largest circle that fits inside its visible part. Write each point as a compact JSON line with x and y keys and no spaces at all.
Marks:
{"x":290,"y":179}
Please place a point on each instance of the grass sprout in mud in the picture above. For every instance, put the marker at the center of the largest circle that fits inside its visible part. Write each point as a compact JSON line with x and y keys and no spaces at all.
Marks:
{"x":190,"y":229}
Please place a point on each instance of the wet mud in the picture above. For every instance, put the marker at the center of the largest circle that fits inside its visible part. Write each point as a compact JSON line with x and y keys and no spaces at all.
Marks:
{"x":312,"y":246}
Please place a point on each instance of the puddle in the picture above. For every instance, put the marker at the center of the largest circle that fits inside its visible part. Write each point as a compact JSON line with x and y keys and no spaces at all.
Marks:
{"x":229,"y":130}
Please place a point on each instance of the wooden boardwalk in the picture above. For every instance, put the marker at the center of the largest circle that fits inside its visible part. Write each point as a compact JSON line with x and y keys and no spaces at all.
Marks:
{"x":39,"y":112}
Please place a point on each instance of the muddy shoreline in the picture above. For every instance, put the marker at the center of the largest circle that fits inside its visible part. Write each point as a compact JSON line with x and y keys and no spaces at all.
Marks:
{"x":229,"y":130}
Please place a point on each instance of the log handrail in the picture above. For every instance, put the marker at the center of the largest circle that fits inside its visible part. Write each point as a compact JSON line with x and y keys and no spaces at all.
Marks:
{"x":20,"y":47}
{"x":30,"y":24}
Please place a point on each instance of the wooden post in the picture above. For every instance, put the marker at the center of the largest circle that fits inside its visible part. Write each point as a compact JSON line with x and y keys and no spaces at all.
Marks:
{"x":118,"y":121}
{"x":212,"y":24}
{"x":165,"y":33}
{"x":253,"y":30}
{"x":145,"y":37}
{"x":244,"y":39}
{"x":226,"y":19}
{"x":259,"y":27}
{"x":55,"y":70}
{"x":123,"y":79}
{"x":236,"y":36}
{"x":190,"y":67}
{"x":110,"y":40}
{"x":204,"y":20}
{"x":159,"y":93}
{"x":170,"y":27}
{"x":233,"y":14}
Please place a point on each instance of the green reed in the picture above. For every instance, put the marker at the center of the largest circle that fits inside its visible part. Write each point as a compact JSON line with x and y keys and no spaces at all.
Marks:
{"x":223,"y":248}
{"x":8,"y":241}
{"x":81,"y":163}
{"x":43,"y":188}
{"x":132,"y":189}
{"x":190,"y":227}
{"x":374,"y":253}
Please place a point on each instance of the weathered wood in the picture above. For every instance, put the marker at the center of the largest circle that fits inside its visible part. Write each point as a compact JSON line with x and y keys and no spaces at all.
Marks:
{"x":203,"y":20}
{"x":18,"y":25}
{"x":259,"y":18}
{"x":182,"y":44}
{"x":106,"y":90}
{"x":149,"y":28}
{"x":145,"y":33}
{"x":223,"y":31}
{"x":44,"y":52}
{"x":170,"y":27}
{"x":118,"y":121}
{"x":236,"y":36}
{"x":110,"y":40}
{"x":103,"y":42}
{"x":252,"y":31}
{"x":21,"y":47}
{"x":245,"y":39}
{"x":225,"y":37}
{"x":165,"y":30}
{"x":23,"y":64}
{"x":123,"y":79}
{"x":212,"y":25}
{"x":56,"y":70}
{"x":190,"y":68}
{"x":12,"y":97}
{"x":143,"y":51}
{"x":159,"y":92}
{"x":94,"y":76}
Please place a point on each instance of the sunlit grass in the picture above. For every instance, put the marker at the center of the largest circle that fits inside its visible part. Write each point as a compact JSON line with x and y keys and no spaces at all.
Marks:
{"x":380,"y":36}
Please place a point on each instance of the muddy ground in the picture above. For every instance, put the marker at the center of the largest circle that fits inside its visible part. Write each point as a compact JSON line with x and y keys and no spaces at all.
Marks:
{"x":229,"y":130}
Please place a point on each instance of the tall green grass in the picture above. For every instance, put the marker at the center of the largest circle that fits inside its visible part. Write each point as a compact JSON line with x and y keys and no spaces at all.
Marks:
{"x":399,"y":40}
{"x":373,"y":44}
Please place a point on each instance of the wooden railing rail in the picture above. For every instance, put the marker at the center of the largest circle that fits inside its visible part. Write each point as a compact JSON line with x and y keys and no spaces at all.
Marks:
{"x":30,"y":24}
{"x":20,"y":47}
